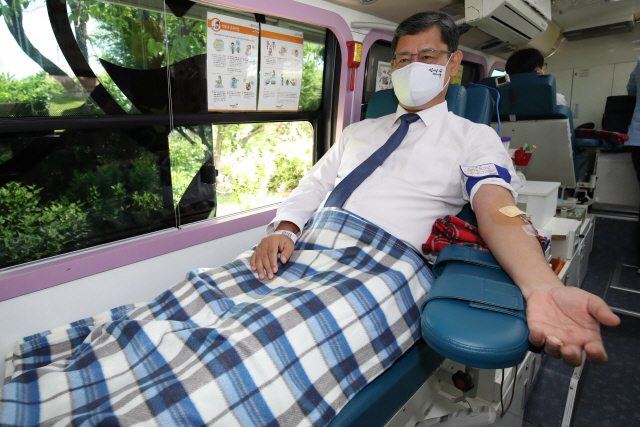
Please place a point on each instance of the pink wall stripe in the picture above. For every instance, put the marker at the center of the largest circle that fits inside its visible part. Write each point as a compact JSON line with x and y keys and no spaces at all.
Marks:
{"x":20,"y":281}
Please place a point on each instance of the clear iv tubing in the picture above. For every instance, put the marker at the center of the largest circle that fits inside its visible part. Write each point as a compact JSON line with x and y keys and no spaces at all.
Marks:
{"x":497,"y":103}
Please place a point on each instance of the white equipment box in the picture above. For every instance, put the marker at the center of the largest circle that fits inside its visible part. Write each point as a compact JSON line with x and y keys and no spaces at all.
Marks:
{"x":564,"y":237}
{"x":538,"y":199}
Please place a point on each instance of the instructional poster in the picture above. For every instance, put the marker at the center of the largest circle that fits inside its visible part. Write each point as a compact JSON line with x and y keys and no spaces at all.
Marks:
{"x":281,"y":53}
{"x":232,"y":63}
{"x":383,"y":76}
{"x":457,"y":79}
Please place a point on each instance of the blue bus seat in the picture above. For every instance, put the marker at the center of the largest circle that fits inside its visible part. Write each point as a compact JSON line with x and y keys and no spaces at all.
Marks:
{"x":532,"y":96}
{"x":379,"y":401}
{"x":384,"y":102}
{"x":480,"y":105}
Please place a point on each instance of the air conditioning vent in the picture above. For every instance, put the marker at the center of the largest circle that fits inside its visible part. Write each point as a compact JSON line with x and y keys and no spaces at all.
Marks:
{"x":513,"y":21}
{"x":491,"y":44}
{"x":367,"y":1}
{"x":603,"y":30}
{"x":515,"y":30}
{"x":495,"y":47}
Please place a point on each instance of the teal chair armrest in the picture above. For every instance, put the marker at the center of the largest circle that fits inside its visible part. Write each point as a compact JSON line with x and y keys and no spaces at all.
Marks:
{"x":474,"y":314}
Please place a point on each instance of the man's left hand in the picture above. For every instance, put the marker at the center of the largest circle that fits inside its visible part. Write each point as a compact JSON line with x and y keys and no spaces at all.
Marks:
{"x":566,"y":320}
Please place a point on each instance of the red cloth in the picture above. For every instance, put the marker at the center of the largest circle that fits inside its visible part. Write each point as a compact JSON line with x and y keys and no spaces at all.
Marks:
{"x":615,"y":138}
{"x":451,"y":230}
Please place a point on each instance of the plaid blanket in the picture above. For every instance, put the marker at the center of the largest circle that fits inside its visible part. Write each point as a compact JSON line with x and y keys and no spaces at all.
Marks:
{"x":224,"y":348}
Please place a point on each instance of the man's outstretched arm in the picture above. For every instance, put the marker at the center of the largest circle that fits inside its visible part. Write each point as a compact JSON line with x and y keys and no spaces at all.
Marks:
{"x":564,"y":319}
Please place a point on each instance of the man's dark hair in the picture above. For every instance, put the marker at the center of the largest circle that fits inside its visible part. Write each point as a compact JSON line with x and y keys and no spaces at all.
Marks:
{"x":423,"y":21}
{"x":524,"y":61}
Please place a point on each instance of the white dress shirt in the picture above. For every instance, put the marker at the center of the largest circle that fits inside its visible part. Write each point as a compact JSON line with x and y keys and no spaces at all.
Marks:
{"x":418,"y":183}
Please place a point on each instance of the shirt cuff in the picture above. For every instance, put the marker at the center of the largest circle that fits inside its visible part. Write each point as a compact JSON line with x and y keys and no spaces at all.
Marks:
{"x":273,"y":225}
{"x":494,"y":181}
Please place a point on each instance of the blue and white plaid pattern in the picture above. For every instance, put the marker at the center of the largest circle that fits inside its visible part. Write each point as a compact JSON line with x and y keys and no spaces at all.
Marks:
{"x":225,"y":348}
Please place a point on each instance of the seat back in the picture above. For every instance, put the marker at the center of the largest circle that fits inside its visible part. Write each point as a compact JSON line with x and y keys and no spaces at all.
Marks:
{"x":480,"y":105}
{"x":385,"y":102}
{"x":528,"y":95}
{"x":532,"y":97}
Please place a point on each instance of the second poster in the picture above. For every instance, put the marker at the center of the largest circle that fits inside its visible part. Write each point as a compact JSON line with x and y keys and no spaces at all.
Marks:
{"x":281,"y":54}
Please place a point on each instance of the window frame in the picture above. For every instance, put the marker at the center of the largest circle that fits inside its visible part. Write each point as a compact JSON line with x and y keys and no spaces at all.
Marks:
{"x":371,"y":37}
{"x":327,"y":121}
{"x":497,"y":65}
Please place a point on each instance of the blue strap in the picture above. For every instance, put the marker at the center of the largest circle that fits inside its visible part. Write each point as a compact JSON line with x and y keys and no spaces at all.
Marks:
{"x":503,"y":173}
{"x":464,"y":254}
{"x":497,"y":102}
{"x":343,"y":191}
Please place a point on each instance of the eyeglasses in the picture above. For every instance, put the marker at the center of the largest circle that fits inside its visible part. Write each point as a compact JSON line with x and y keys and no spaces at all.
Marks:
{"x":426,"y":56}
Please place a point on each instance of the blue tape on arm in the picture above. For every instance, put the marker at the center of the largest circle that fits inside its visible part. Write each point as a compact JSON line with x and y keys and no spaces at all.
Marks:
{"x":497,"y":102}
{"x":503,"y":174}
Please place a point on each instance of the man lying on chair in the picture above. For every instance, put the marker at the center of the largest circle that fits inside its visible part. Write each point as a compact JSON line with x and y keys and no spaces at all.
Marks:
{"x":443,"y":162}
{"x":253,"y":342}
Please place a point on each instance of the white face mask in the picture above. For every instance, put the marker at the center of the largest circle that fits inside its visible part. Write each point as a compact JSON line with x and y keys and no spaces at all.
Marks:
{"x":418,"y":83}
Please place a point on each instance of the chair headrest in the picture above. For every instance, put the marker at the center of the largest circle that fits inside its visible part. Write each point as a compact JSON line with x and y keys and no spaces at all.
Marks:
{"x":480,"y":105}
{"x":527,"y":94}
{"x":457,"y":100}
{"x":385,"y":102}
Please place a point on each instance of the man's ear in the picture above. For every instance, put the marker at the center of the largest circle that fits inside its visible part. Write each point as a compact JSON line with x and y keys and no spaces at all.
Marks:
{"x":454,"y":62}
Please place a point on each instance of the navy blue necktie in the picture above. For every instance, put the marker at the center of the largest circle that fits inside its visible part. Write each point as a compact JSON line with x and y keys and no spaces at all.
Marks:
{"x":341,"y":193}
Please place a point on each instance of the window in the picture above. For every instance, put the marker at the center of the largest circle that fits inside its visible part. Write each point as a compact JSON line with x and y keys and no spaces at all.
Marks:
{"x":498,"y":73}
{"x":377,"y":72}
{"x":470,"y":73}
{"x":95,"y":144}
{"x":261,"y":162}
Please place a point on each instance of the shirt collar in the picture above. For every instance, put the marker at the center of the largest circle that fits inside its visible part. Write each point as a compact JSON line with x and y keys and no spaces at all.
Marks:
{"x":428,"y":115}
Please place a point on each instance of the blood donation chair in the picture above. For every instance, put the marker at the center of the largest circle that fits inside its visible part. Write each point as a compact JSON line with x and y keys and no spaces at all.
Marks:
{"x":530,"y":115}
{"x":480,"y":105}
{"x":473,"y":359}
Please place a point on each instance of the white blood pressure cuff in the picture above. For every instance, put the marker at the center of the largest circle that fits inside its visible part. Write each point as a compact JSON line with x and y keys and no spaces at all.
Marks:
{"x":473,"y":175}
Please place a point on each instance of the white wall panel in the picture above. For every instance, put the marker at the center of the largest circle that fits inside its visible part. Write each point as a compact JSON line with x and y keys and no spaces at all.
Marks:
{"x":614,"y":49}
{"x":564,"y":83}
{"x":591,"y":87}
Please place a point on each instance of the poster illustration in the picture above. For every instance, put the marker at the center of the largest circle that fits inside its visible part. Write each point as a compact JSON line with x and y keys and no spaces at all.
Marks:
{"x":232,"y":63}
{"x":457,"y":79}
{"x":281,"y":54}
{"x":383,"y":76}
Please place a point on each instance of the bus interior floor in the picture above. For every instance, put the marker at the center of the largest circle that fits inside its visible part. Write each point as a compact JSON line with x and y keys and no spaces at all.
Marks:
{"x":606,"y":395}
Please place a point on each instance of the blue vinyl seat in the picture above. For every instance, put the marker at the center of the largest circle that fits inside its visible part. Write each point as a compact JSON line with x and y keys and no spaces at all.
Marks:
{"x":385,"y":102}
{"x":466,"y":331}
{"x":532,"y":96}
{"x":480,"y":105}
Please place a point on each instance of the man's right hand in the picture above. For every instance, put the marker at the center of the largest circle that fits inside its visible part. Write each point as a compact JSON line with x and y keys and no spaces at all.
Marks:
{"x":265,"y":257}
